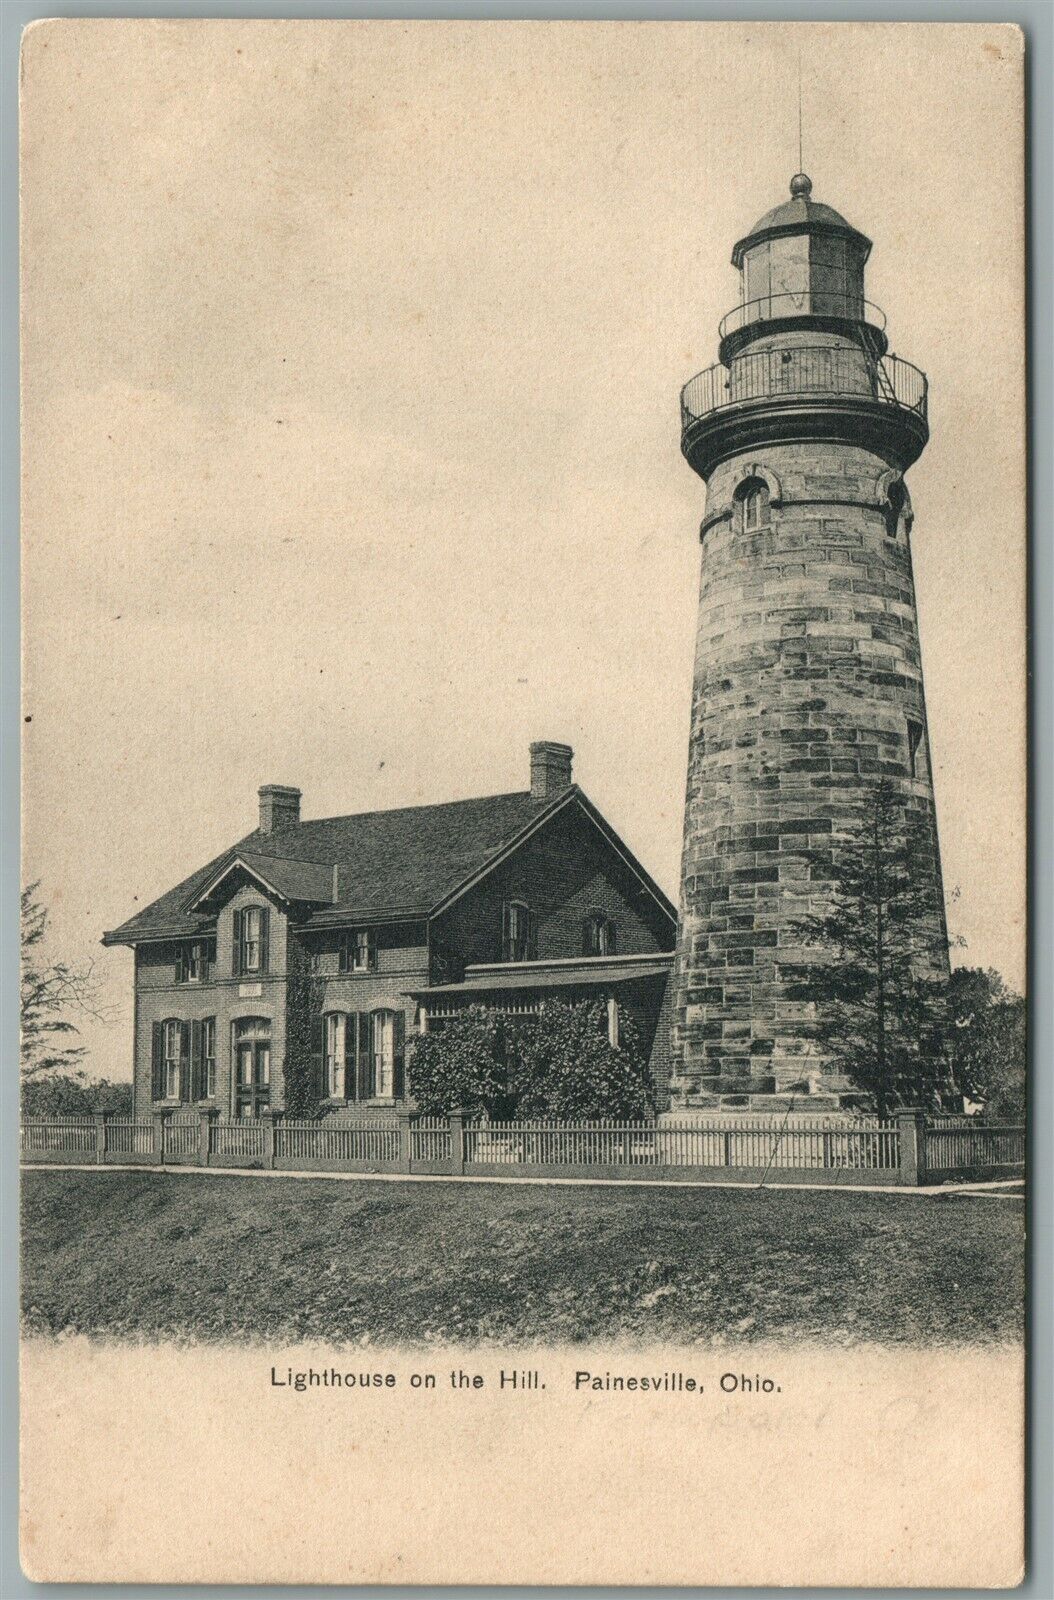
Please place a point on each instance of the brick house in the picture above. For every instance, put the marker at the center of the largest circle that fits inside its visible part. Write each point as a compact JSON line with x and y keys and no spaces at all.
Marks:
{"x":288,"y":973}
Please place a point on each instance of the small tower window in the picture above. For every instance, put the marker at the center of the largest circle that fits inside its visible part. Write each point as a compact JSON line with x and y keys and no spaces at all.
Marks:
{"x":894,"y":508}
{"x":916,"y":750}
{"x":753,"y":499}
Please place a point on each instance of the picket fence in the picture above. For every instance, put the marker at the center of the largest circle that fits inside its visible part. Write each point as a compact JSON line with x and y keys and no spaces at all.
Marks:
{"x":907,"y":1149}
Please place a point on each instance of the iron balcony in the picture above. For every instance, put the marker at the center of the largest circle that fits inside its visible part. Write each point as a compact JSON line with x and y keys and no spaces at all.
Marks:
{"x":805,"y":392}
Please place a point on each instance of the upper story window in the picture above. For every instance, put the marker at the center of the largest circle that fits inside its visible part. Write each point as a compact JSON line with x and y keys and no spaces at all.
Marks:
{"x":519,"y":940}
{"x":752,"y":499}
{"x":251,"y":939}
{"x":599,"y":936}
{"x":358,"y":951}
{"x":194,"y":960}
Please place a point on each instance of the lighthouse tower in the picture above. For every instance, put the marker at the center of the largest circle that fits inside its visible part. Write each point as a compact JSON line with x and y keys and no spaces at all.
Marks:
{"x":808,"y":678}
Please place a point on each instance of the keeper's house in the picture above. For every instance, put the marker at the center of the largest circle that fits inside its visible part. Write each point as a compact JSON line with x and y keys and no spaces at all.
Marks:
{"x":288,"y":973}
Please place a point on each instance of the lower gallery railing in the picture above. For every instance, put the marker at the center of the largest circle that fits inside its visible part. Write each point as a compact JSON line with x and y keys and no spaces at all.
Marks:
{"x":905,"y":1149}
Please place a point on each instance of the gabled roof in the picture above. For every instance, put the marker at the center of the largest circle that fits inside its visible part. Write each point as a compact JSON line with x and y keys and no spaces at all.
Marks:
{"x":390,"y":865}
{"x":307,"y":882}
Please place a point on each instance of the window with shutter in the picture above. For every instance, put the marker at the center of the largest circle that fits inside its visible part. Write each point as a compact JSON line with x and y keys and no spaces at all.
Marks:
{"x":399,"y":1054}
{"x":364,"y":1050}
{"x":196,"y":1074}
{"x":184,"y":1091}
{"x":236,"y":948}
{"x":208,"y":1058}
{"x":351,"y":1058}
{"x":157,"y":1061}
{"x":318,"y":1052}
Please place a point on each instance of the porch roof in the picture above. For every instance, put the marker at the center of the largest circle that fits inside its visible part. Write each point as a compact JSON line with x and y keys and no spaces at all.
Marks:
{"x":545,"y":975}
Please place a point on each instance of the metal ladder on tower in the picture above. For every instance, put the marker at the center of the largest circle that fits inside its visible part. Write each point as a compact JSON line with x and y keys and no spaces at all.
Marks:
{"x":880,"y":376}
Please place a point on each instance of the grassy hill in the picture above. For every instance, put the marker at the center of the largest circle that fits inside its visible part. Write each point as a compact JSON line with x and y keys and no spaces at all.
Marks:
{"x":209,"y":1257}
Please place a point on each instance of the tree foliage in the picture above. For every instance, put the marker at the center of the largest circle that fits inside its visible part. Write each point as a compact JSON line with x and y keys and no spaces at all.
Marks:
{"x":876,"y":956}
{"x":987,"y":1037}
{"x":50,"y":991}
{"x":558,"y":1064}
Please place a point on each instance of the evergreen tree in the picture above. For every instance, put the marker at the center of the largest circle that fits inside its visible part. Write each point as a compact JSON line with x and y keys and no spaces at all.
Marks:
{"x":875,"y":964}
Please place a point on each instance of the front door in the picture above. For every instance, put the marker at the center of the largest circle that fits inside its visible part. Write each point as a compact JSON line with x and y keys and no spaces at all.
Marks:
{"x":253,"y":1081}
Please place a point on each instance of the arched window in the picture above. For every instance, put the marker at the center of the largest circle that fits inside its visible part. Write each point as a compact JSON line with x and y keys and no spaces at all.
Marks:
{"x":387,"y":1030}
{"x":336,"y":1059}
{"x":174,"y":1053}
{"x":599,"y":935}
{"x":752,"y":499}
{"x":251,"y":941}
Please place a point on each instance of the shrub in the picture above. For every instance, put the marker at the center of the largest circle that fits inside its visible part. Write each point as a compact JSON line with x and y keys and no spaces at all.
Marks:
{"x":558,"y":1065}
{"x":462,"y":1064}
{"x":565,"y":1068}
{"x":61,"y":1096}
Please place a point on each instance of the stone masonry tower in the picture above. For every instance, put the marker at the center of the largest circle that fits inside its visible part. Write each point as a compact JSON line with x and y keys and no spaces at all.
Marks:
{"x":808,"y":678}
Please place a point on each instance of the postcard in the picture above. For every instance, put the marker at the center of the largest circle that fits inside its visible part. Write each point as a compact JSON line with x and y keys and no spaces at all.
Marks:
{"x":524,"y":720}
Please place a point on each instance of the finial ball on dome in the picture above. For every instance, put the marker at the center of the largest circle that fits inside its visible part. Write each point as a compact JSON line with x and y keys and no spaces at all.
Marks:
{"x":801,"y":186}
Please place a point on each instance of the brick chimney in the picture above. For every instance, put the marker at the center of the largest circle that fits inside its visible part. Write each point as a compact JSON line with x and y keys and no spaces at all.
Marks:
{"x":279,"y":808}
{"x":550,"y":769}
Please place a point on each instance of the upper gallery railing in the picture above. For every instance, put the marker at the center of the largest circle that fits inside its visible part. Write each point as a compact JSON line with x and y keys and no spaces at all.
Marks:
{"x":809,"y":370}
{"x":810,"y":302}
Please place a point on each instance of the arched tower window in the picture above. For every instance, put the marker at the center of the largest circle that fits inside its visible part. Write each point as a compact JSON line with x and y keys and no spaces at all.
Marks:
{"x":752,"y":500}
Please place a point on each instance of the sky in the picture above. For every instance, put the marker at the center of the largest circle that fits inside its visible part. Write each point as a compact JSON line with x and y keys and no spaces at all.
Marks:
{"x":351,"y":361}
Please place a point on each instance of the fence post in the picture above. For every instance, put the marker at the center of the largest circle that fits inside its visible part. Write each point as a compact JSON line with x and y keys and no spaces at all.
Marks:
{"x":911,"y":1130}
{"x":406,"y":1121}
{"x":160,"y":1124}
{"x":100,"y":1137}
{"x":267,"y":1118}
{"x":457,"y":1141}
{"x":205,"y":1135}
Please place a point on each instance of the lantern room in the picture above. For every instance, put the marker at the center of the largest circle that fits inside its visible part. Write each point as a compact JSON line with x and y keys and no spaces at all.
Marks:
{"x":801,"y":266}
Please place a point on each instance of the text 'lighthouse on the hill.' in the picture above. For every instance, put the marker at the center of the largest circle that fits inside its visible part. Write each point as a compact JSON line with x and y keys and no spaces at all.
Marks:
{"x":808,"y":679}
